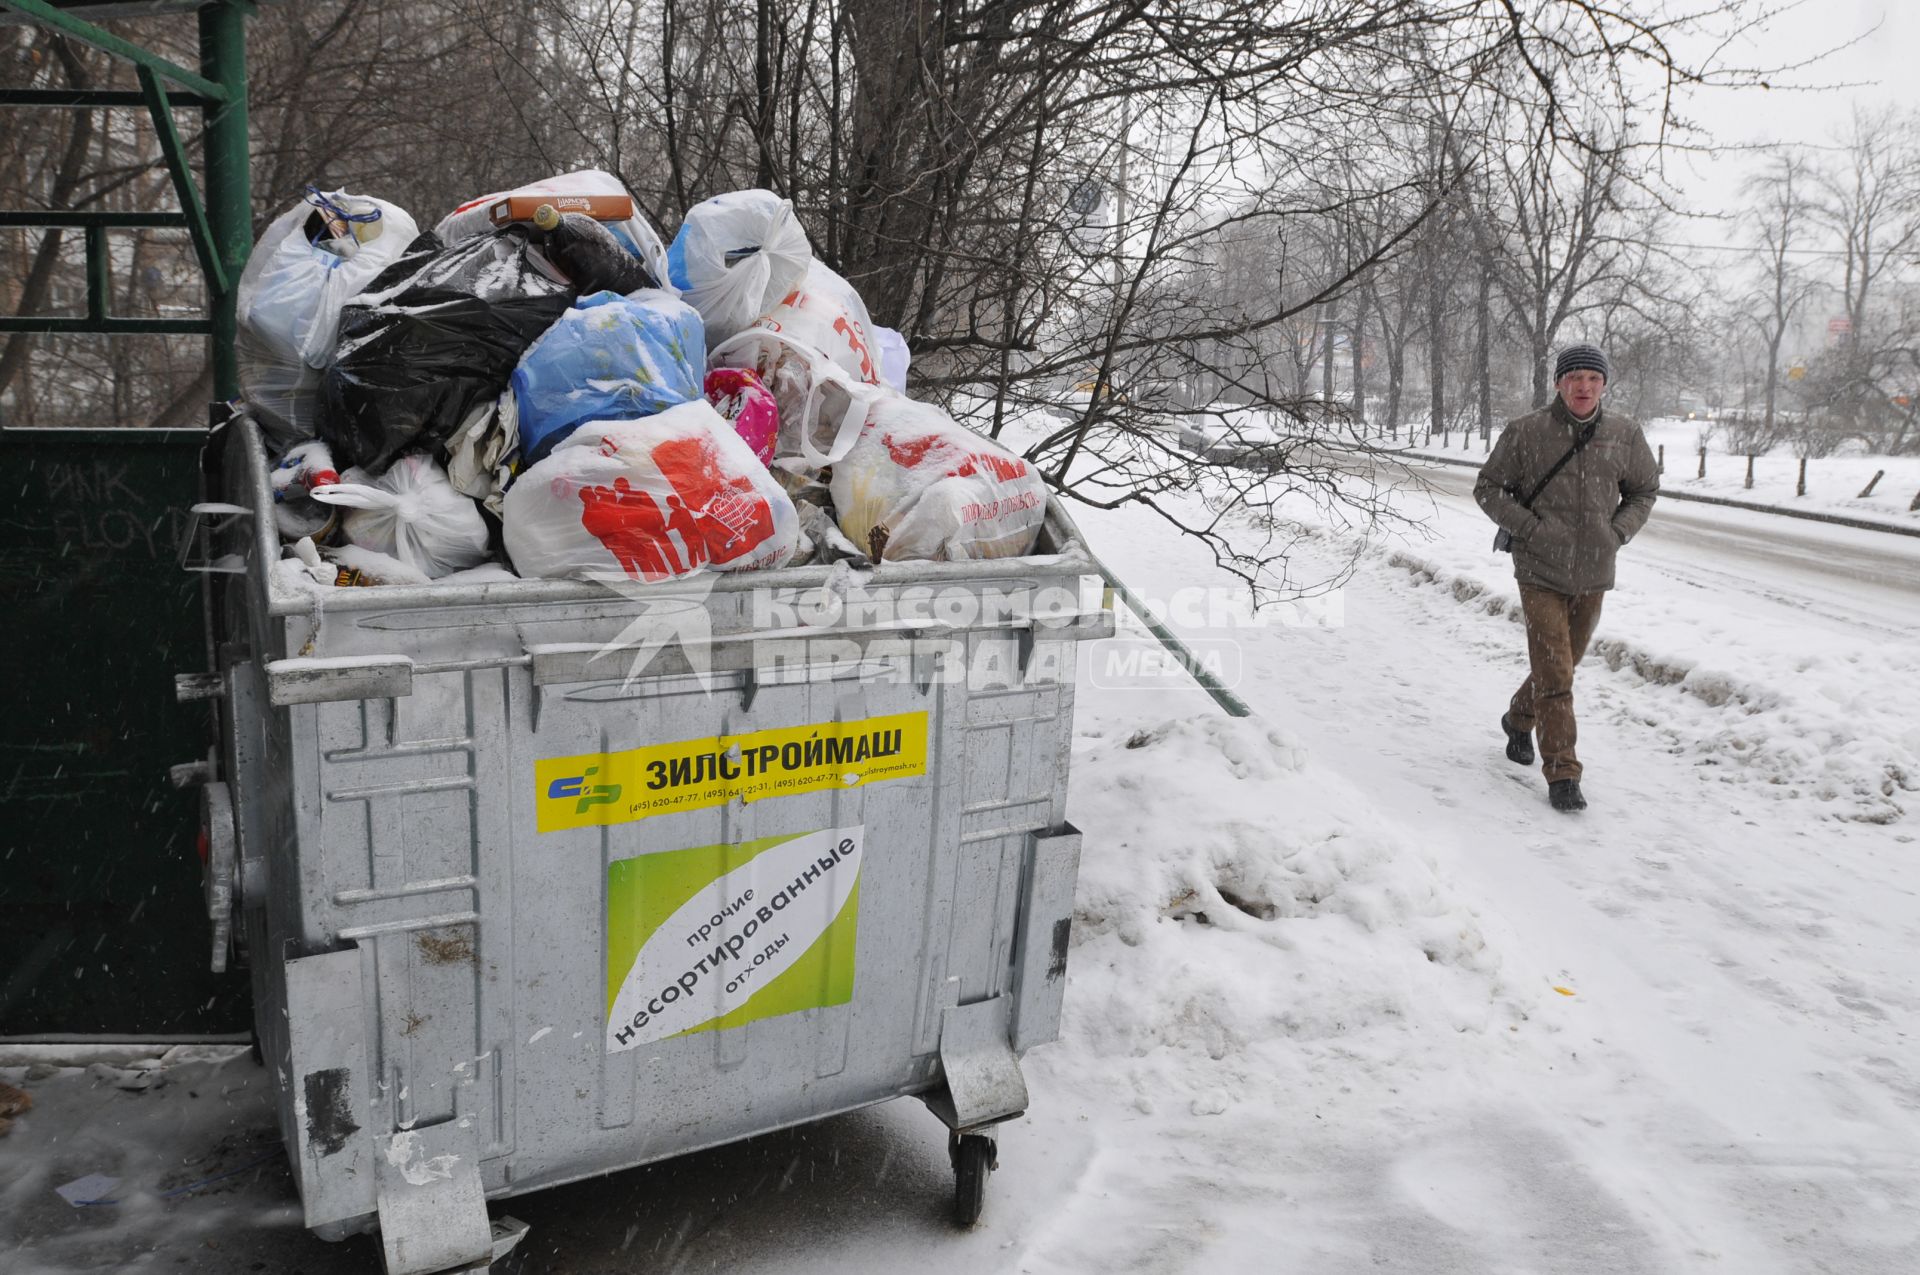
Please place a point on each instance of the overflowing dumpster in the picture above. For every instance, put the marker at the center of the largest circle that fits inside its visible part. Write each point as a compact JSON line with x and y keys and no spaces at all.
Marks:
{"x":539,"y":879}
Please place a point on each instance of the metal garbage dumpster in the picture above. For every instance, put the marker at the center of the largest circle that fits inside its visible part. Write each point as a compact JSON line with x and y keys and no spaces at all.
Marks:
{"x":541,"y":879}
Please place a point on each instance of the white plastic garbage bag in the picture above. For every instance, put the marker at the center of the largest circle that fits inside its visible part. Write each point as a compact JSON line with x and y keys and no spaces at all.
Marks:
{"x":814,"y":350}
{"x":585,"y":188}
{"x":290,"y":295}
{"x":735,"y":256}
{"x":411,"y":512}
{"x":350,"y":566}
{"x":822,"y":408}
{"x":933,"y":489}
{"x":649,"y":499}
{"x":891,"y":348}
{"x":826,"y":314}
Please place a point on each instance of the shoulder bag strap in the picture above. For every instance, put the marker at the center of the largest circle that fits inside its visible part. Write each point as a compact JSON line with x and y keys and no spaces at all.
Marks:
{"x":1586,"y":436}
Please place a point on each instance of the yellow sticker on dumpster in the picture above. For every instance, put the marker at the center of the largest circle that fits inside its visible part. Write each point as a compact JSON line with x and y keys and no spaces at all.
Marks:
{"x":719,"y":936}
{"x":693,"y":774}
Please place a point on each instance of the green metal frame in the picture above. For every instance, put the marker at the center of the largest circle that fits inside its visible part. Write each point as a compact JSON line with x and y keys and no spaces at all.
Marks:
{"x":221,"y":227}
{"x":175,"y":153}
{"x":94,"y":98}
{"x":61,"y":20}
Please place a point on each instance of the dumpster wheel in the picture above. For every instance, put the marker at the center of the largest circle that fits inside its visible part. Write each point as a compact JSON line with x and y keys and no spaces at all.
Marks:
{"x":974,"y":1155}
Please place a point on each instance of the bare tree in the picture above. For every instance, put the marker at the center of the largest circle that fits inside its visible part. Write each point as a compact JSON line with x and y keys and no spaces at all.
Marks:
{"x":1871,"y":201}
{"x":1780,"y":215}
{"x":931,"y":149}
{"x":1561,"y":254}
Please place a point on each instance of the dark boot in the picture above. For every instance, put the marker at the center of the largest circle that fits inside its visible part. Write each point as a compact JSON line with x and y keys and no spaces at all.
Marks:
{"x":1565,"y":796}
{"x":1519,"y":743}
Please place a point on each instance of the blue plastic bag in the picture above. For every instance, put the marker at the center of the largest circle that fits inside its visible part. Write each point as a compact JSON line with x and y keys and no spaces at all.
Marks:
{"x":609,"y":358}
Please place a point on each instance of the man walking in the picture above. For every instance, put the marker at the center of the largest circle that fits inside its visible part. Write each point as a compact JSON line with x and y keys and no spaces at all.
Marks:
{"x":1568,"y":485}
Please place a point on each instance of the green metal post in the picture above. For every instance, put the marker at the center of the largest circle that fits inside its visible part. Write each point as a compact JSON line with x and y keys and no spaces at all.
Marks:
{"x":223,"y":59}
{"x":175,"y":152}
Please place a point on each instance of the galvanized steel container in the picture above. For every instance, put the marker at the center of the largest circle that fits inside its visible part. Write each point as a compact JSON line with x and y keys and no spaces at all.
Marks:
{"x":520,"y":910}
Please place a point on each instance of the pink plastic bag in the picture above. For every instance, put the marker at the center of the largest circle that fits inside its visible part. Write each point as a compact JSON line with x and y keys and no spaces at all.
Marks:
{"x":741,"y":397}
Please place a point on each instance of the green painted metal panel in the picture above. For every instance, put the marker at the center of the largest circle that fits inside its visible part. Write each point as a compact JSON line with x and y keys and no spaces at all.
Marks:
{"x":102,"y":927}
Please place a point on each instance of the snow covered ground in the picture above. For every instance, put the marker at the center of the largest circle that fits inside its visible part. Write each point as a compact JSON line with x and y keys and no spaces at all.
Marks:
{"x":1670,"y":1034}
{"x":1345,"y":994}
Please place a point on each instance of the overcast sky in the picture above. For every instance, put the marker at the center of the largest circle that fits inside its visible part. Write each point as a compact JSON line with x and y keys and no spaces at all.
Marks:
{"x":1881,"y":68}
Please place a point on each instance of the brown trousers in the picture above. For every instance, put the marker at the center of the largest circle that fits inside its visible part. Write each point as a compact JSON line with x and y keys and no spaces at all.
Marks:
{"x":1558,"y":630}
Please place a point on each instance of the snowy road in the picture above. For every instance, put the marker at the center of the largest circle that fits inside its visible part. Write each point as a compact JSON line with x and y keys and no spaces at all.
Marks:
{"x":1838,"y":573}
{"x":1346,"y":995}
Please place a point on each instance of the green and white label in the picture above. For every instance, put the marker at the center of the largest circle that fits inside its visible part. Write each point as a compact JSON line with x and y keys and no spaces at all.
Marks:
{"x":717,"y":936}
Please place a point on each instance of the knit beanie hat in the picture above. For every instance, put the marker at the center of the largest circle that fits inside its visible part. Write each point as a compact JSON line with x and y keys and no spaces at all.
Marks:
{"x":1582,"y":358}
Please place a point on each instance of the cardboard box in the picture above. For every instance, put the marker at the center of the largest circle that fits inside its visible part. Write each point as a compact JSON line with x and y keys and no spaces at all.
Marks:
{"x":513,"y":208}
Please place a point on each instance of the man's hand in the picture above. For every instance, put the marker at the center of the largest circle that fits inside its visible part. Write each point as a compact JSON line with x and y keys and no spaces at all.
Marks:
{"x":1639,"y":487}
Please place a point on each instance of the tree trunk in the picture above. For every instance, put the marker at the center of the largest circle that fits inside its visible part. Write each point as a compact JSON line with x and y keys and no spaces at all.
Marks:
{"x":1436,"y":358}
{"x":1357,"y":336}
{"x":669,"y":45}
{"x":1482,"y":364}
{"x":1773,"y":376}
{"x":1326,"y":354}
{"x":763,"y":87}
{"x":1396,"y":343}
{"x":1396,"y":386}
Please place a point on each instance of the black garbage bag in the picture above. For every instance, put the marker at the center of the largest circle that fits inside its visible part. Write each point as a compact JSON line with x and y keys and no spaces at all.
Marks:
{"x":588,"y":254}
{"x":435,"y":334}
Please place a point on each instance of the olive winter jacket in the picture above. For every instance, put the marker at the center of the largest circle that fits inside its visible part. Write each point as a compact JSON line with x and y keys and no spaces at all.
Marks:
{"x":1595,"y":504}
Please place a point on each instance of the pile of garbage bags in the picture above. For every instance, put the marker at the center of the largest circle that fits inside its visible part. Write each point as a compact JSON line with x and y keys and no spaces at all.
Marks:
{"x":538,"y":387}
